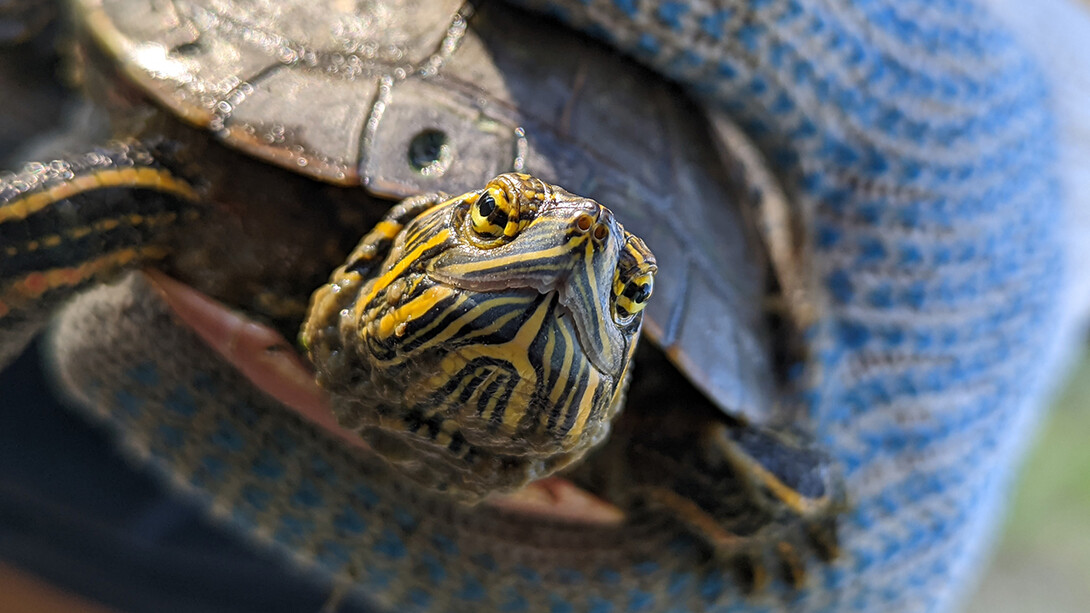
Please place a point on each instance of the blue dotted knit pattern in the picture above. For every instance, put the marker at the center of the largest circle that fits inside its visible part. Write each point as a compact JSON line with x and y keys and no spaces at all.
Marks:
{"x":915,"y":139}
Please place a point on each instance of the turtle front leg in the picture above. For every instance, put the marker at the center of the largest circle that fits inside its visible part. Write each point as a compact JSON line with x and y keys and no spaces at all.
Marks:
{"x":762,"y":502}
{"x":72,"y":222}
{"x":759,"y":499}
{"x":320,"y":333}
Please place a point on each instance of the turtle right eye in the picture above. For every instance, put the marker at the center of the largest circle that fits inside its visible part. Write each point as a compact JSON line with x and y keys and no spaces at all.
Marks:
{"x":633,"y":295}
{"x":634,"y":280}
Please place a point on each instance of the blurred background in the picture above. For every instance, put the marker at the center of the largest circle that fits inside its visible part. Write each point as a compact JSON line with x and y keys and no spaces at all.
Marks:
{"x":1041,"y":564}
{"x":1043,"y":561}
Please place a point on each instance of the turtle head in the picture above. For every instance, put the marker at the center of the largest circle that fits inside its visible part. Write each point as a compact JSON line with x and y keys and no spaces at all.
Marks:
{"x":521,"y":233}
{"x":491,"y":344}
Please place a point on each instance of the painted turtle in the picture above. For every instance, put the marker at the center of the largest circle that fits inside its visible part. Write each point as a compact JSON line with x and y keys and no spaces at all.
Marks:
{"x":350,"y":97}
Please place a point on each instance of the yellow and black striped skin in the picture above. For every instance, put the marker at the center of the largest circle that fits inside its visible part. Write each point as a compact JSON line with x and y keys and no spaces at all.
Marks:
{"x":475,"y":341}
{"x":71,"y":223}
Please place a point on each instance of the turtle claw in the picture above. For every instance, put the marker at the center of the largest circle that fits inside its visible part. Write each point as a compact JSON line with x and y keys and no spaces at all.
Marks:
{"x":823,"y":539}
{"x":775,"y":551}
{"x":732,"y":550}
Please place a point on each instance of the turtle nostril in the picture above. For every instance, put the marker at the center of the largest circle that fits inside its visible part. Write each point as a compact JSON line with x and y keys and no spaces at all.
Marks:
{"x":601,"y":231}
{"x":583,"y":222}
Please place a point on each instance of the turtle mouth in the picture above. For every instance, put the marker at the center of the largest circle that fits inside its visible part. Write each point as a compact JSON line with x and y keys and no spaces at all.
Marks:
{"x":272,"y":365}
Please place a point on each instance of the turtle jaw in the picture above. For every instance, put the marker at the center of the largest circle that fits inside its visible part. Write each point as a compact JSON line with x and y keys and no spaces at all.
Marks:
{"x":588,"y":342}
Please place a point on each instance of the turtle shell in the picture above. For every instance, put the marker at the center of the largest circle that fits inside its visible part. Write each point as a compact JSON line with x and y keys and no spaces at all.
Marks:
{"x":291,"y":82}
{"x":410,"y":96}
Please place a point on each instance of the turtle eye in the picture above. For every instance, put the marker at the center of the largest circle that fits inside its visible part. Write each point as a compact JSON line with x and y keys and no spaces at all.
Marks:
{"x":634,"y":280}
{"x":632,"y":296}
{"x":491,"y":216}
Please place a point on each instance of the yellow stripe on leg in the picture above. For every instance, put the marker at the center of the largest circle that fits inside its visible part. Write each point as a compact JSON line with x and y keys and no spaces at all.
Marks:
{"x":136,"y":178}
{"x":34,"y":285}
